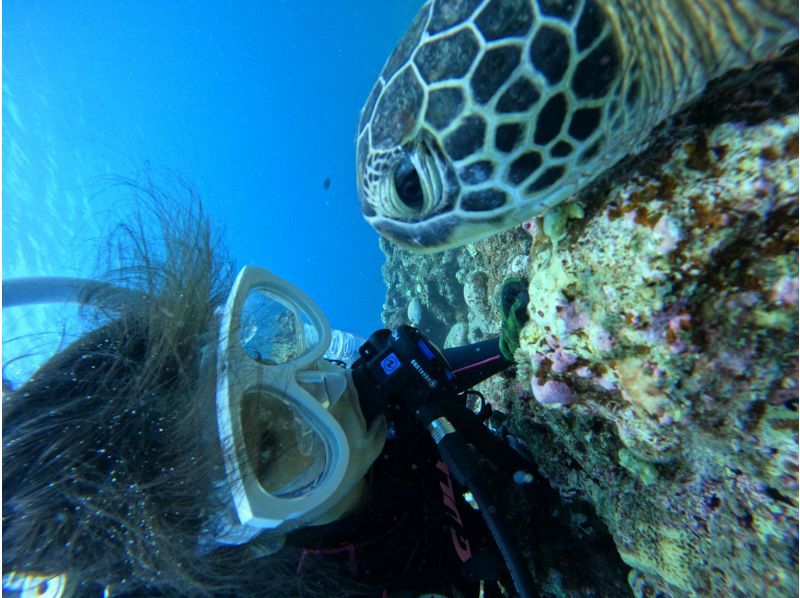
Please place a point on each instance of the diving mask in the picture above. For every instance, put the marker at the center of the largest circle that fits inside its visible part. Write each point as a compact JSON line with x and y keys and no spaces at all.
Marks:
{"x":285,"y":455}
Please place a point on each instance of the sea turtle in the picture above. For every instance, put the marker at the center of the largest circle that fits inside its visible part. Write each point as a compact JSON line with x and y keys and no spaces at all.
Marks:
{"x":489,"y":112}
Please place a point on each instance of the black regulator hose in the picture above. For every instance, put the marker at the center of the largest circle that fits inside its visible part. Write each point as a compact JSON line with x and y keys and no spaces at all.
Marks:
{"x":462,"y":463}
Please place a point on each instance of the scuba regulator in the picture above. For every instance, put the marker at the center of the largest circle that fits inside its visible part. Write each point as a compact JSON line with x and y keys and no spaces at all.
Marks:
{"x":402,"y":369}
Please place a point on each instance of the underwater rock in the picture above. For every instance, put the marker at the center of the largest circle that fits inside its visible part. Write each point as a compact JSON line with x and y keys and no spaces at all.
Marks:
{"x":482,"y":321}
{"x":457,"y":336}
{"x":665,"y":324}
{"x":432,"y":281}
{"x":414,"y":312}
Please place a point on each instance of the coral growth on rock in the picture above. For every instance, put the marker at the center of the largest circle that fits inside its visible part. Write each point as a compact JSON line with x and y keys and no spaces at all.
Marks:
{"x":657,"y":377}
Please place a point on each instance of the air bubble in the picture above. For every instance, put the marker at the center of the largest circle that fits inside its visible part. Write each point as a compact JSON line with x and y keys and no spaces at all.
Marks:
{"x":523,"y":477}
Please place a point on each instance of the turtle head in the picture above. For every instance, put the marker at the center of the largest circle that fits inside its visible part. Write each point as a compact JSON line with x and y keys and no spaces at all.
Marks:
{"x":414,"y":135}
{"x":488,"y":113}
{"x":417,"y":187}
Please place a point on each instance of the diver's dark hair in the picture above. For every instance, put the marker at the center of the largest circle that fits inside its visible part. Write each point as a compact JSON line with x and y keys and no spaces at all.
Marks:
{"x":105,"y":474}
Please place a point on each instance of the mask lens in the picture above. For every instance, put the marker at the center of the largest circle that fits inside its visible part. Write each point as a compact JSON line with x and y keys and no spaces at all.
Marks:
{"x":287,"y":454}
{"x":273,"y":331}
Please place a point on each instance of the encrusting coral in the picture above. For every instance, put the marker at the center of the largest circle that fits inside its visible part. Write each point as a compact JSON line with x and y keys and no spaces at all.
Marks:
{"x":657,"y":376}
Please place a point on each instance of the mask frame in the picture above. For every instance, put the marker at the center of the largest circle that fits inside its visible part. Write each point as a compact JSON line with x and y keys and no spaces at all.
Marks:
{"x":239,"y":374}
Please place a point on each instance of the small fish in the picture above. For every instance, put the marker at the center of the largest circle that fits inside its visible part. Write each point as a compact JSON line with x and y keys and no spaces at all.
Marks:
{"x":326,"y":184}
{"x":491,"y":112}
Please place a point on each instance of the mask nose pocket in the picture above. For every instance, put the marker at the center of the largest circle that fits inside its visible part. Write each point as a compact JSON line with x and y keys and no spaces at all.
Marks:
{"x":326,"y":387}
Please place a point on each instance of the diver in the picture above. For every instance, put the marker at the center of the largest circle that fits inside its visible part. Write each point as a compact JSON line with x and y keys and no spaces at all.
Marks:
{"x":197,"y":442}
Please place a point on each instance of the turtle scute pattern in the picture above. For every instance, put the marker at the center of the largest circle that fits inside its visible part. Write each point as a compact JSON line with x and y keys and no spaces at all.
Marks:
{"x":492,"y":111}
{"x":508,"y":97}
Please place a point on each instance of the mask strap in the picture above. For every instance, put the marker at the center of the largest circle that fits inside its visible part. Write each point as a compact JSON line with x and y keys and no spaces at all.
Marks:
{"x":62,"y":289}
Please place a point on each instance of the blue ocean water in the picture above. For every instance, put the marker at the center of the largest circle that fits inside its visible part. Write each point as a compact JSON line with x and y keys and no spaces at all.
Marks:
{"x":254,"y":103}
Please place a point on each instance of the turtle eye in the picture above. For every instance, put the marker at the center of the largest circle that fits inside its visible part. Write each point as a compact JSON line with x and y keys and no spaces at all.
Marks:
{"x":408,"y":186}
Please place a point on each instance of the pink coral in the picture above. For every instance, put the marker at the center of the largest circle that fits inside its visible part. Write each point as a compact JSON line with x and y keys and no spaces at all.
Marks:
{"x":552,"y":392}
{"x":603,"y":340}
{"x":561,"y":360}
{"x":785,"y":291}
{"x":670,"y":234}
{"x":574,"y":315}
{"x":603,"y":381}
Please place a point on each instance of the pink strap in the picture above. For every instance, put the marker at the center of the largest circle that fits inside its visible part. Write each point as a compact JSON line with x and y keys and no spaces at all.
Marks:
{"x":350,"y":548}
{"x":474,"y":365}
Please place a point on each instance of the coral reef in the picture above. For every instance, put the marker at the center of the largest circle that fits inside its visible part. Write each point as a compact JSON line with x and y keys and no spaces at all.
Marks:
{"x":657,"y":376}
